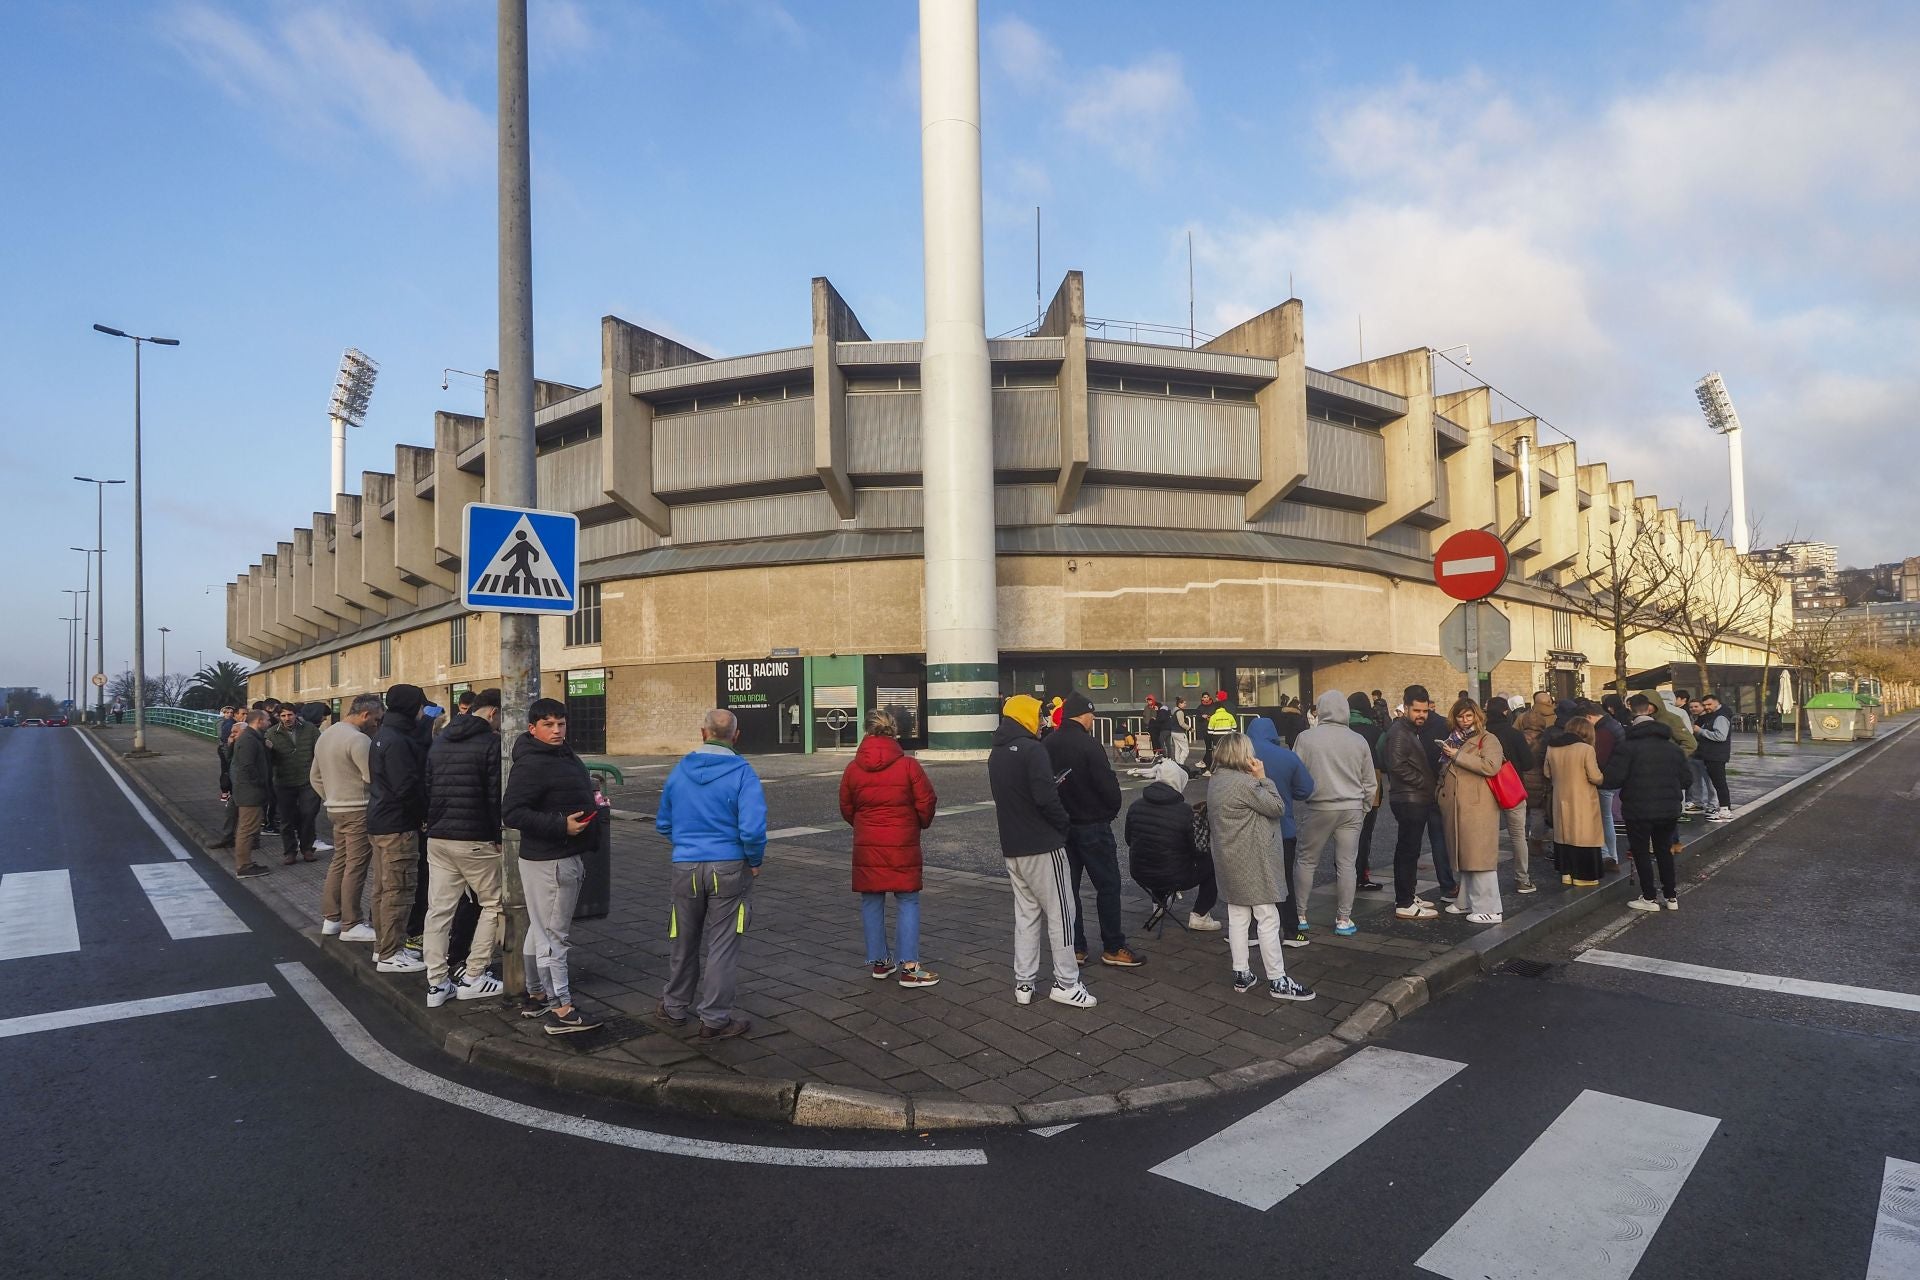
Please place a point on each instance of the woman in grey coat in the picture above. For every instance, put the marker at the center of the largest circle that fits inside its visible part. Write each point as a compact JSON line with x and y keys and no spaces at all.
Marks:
{"x":1243,"y":812}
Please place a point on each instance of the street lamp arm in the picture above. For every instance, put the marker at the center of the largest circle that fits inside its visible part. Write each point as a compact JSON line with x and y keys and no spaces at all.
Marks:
{"x":114,"y":333}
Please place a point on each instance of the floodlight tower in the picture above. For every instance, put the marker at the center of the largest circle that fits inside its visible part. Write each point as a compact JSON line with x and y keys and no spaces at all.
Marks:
{"x":352,"y":390}
{"x":1711,"y":391}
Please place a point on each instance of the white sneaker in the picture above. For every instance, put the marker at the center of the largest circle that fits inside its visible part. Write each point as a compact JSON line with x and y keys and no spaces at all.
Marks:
{"x":1203,"y":924}
{"x":1077,"y":995}
{"x":1671,"y":904}
{"x":480,"y":988}
{"x":437,"y":996}
{"x":1455,"y":909}
{"x":1485,"y":917}
{"x":1723,"y":815}
{"x":1643,"y":904}
{"x":321,"y":846}
{"x":328,"y":928}
{"x":401,"y":961}
{"x":362,"y":932}
{"x":1023,"y":993}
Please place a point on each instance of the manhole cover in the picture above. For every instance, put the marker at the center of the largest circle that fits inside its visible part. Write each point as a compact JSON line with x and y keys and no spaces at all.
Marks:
{"x":1525,"y":968}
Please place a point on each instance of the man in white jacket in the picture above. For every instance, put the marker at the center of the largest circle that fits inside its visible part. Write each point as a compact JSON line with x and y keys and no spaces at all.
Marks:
{"x":339,"y":776}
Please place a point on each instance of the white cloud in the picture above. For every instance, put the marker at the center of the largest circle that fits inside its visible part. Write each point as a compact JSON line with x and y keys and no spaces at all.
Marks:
{"x":1022,"y":54}
{"x":320,"y":72}
{"x":1129,"y":112}
{"x":558,"y":29}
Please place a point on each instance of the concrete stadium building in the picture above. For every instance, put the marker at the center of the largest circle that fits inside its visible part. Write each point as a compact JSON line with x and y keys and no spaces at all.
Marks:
{"x":1168,"y":520}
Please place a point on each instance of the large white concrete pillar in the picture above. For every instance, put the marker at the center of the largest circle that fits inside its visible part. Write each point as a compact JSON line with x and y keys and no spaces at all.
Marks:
{"x":956,"y":396}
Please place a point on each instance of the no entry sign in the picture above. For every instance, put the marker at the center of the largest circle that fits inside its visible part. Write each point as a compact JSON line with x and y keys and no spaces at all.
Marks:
{"x":1470,"y":565}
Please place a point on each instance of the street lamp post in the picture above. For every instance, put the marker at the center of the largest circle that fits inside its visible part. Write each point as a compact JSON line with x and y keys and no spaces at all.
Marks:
{"x":100,"y":549}
{"x":139,"y":565}
{"x":86,"y":630}
{"x":73,"y":662}
{"x":163,"y":660}
{"x":69,"y":622}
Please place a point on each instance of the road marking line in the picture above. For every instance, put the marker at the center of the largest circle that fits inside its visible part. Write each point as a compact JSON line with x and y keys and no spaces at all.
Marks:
{"x":787,"y":833}
{"x":173,"y":846}
{"x":1584,"y":1201}
{"x":1467,"y":564}
{"x":186,"y":904}
{"x":132,"y":1009}
{"x":1754,"y":981}
{"x":1049,"y":1131}
{"x":369,"y":1053}
{"x":36,"y":915}
{"x":1261,"y":1160}
{"x":1896,"y":1228}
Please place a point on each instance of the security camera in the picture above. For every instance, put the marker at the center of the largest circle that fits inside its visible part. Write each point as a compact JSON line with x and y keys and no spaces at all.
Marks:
{"x":443,"y":381}
{"x":1465,"y":360}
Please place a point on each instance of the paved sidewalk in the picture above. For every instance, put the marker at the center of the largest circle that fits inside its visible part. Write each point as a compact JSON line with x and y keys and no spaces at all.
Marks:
{"x":1170,"y":1029}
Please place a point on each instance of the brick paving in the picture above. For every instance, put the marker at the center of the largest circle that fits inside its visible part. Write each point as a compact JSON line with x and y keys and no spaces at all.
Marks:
{"x":819,"y":1018}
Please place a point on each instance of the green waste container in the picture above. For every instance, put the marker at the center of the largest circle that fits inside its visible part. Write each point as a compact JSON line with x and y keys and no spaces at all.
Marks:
{"x":1835,"y":717}
{"x":1868,"y":719}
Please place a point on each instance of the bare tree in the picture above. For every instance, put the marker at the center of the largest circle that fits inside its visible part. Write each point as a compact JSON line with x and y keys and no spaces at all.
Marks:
{"x":1712,"y":595}
{"x":1813,"y":648}
{"x":1625,"y":589}
{"x":1770,"y":586}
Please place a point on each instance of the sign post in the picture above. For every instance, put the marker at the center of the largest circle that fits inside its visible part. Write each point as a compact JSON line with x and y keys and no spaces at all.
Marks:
{"x":1470,"y":566}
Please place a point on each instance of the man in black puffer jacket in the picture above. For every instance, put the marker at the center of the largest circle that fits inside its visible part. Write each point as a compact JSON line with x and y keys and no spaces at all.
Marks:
{"x":463,"y":847}
{"x":1033,"y":836}
{"x":1090,"y":793}
{"x":396,"y":811}
{"x":1652,"y":775}
{"x":1161,"y":854}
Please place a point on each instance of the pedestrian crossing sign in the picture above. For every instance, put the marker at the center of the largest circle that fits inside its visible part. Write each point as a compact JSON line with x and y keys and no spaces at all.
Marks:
{"x":518,"y":560}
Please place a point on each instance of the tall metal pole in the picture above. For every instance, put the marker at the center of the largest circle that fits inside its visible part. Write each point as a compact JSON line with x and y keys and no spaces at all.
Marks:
{"x":163,"y":660}
{"x":86,"y":629}
{"x":337,"y":480}
{"x":69,"y":622}
{"x":100,"y":549}
{"x":956,"y":398}
{"x":1736,"y":459}
{"x":139,"y":578}
{"x":510,"y":452}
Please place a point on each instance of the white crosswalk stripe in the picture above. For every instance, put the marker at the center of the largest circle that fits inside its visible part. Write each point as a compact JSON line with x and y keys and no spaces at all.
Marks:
{"x":1261,"y":1160}
{"x":1896,"y":1228}
{"x":185,"y":903}
{"x":1584,"y":1201}
{"x":36,"y":915}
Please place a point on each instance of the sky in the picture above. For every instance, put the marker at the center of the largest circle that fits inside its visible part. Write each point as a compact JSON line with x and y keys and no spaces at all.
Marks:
{"x":1605,"y":201}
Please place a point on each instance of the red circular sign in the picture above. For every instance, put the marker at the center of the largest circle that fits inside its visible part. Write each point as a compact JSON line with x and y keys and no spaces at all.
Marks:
{"x":1470,"y":565}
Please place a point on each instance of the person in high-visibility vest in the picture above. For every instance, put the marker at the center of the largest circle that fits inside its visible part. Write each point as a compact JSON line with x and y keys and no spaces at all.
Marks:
{"x":1220,"y":722}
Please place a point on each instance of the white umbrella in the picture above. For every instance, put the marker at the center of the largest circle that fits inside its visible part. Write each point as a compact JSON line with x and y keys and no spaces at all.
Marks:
{"x":1785,"y":701}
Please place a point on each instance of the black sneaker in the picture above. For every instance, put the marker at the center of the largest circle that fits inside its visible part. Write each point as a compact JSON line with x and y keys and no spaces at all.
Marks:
{"x":1288,"y":989}
{"x":1244,"y":981}
{"x":560,"y":1024}
{"x":251,"y":870}
{"x":533,"y":1005}
{"x":1370,"y":886}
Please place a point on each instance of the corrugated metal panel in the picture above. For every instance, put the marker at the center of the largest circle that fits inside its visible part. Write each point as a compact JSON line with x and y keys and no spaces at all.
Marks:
{"x":1159,"y":508}
{"x":562,"y":409}
{"x":753,"y":444}
{"x":1452,"y":434}
{"x":857,"y":353}
{"x":1333,"y":384}
{"x":746,"y":519}
{"x":616,"y":538}
{"x":1017,"y":504}
{"x":887,"y":508}
{"x":1148,"y":355}
{"x":1324,"y":524}
{"x":570,"y":478}
{"x":1172,"y":436}
{"x":1403,"y":539}
{"x":1349,"y":463}
{"x":883,"y":433}
{"x":1026,"y":429}
{"x":1026,"y":350}
{"x":653,"y":383}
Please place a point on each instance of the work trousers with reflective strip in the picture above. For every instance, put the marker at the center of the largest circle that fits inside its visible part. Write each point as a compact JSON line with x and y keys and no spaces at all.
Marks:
{"x":711,"y":907}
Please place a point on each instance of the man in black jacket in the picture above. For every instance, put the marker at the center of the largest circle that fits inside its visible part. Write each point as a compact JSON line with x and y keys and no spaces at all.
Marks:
{"x":1033,"y":832}
{"x":550,"y":802}
{"x":396,"y":811}
{"x":463,"y":847}
{"x":1410,"y":794}
{"x":1090,"y":793}
{"x":251,"y":776}
{"x":1652,"y":775}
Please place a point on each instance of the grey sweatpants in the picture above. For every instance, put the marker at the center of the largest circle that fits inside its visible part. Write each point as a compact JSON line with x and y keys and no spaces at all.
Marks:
{"x":552,"y":890}
{"x":712,"y":906}
{"x":1318,"y":824}
{"x":1042,"y":890}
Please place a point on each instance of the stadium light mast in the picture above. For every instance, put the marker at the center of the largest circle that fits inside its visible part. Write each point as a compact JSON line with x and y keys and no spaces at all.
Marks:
{"x":352,"y":390}
{"x":1717,"y":405}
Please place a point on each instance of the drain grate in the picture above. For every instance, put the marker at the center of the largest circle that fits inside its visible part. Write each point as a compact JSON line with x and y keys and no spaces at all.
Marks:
{"x":1525,"y":968}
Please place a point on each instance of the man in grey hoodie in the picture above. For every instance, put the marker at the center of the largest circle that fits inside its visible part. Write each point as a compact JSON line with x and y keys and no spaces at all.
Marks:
{"x":1344,"y":786}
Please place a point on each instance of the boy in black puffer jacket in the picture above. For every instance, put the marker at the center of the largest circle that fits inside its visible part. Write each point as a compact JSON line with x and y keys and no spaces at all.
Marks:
{"x":1652,"y":774}
{"x":463,"y":848}
{"x":1161,"y":854}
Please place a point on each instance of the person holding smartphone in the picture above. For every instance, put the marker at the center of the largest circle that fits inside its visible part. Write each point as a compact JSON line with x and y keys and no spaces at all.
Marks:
{"x":549,"y":801}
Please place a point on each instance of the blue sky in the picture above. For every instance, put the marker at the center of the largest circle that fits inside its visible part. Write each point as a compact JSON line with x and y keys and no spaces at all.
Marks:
{"x":1606,"y":201}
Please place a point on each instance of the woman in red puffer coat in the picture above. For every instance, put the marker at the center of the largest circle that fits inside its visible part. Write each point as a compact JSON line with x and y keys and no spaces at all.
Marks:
{"x":886,"y":796}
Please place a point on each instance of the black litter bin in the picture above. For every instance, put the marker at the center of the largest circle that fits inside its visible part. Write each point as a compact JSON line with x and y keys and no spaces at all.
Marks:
{"x":596,"y":864}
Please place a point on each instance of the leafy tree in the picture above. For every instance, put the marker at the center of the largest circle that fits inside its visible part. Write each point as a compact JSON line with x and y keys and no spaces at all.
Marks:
{"x":222,"y":684}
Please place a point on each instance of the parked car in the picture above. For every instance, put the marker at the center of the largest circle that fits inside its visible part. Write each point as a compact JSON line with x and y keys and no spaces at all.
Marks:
{"x":32,"y":723}
{"x":8,"y":722}
{"x":56,"y":722}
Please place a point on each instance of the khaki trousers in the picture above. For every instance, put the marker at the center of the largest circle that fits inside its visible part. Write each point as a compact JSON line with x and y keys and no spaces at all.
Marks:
{"x":347,"y":870}
{"x":454,"y":866}
{"x":246,"y":830}
{"x":395,"y":869}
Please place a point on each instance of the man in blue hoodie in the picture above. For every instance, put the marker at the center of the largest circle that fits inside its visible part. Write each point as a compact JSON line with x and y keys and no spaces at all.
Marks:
{"x":1295,"y":784}
{"x":715,"y":813}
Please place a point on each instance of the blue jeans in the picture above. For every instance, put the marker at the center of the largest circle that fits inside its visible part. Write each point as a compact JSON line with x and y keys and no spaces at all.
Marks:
{"x":1442,"y":861}
{"x":873,"y":915}
{"x":1611,"y":843}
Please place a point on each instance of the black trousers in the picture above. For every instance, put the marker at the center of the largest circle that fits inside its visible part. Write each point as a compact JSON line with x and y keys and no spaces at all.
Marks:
{"x":1410,"y":817}
{"x":1580,"y":861}
{"x":1651,"y":844}
{"x":1717,"y":775}
{"x":1290,"y":909}
{"x":1091,"y":850}
{"x":417,"y":915}
{"x":299,"y":814}
{"x":1362,"y":875}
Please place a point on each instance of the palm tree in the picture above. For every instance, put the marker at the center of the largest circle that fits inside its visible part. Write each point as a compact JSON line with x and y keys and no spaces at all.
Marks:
{"x":219,"y":685}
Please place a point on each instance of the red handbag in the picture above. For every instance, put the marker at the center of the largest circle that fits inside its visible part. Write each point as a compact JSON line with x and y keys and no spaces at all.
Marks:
{"x":1508,"y":791}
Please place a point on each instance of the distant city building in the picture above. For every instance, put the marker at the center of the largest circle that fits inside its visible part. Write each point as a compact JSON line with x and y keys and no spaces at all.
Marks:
{"x":1893,"y":622}
{"x":1815,"y":559}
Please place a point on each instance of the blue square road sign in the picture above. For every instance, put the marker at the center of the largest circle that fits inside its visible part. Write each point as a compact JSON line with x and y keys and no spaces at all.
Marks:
{"x":519,"y":560}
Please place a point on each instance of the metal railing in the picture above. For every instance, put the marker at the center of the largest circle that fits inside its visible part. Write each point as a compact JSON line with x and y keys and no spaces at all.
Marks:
{"x":201,"y":724}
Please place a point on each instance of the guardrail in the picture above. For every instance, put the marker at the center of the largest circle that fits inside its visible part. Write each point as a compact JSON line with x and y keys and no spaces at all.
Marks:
{"x":201,"y":724}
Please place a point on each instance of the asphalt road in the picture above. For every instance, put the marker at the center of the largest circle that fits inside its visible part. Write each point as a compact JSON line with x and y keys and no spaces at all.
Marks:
{"x":1580,"y":1118}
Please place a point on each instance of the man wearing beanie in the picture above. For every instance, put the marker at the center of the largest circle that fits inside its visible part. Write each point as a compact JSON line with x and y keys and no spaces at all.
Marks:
{"x":1090,"y":793}
{"x":1033,"y":832}
{"x":396,"y":811}
{"x":463,"y":848}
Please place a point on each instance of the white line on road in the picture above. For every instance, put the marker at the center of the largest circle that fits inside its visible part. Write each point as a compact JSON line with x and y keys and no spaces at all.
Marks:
{"x":787,"y":833}
{"x":132,"y":1009}
{"x":1896,"y":1229}
{"x":1584,"y":1201}
{"x":36,"y":915}
{"x":1048,"y":1131}
{"x":1266,"y":1157}
{"x":173,"y":846}
{"x":1754,"y":981}
{"x":186,"y":904}
{"x":369,"y":1053}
